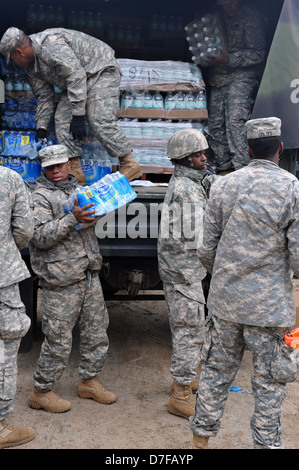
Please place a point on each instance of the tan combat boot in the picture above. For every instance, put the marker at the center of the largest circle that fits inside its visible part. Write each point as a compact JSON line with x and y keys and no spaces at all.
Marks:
{"x":76,"y":170}
{"x":91,"y":388}
{"x":129,"y":167}
{"x":10,"y":437}
{"x":48,"y":401}
{"x":193,"y":385}
{"x":182,"y":402}
{"x":199,"y":442}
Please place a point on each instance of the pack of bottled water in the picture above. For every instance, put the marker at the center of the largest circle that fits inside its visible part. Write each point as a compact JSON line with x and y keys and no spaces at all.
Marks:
{"x":20,"y":144}
{"x":95,"y":162}
{"x":149,"y":138}
{"x":206,"y":38}
{"x":28,"y":169}
{"x":108,"y":194}
{"x":19,"y":114}
{"x":144,"y":99}
{"x":144,"y":73}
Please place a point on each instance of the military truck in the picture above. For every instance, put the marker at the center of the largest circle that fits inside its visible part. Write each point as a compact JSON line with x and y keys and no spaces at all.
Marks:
{"x":154,"y":31}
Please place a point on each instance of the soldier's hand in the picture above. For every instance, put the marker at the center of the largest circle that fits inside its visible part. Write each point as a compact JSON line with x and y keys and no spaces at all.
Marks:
{"x":82,"y":214}
{"x":221,"y":59}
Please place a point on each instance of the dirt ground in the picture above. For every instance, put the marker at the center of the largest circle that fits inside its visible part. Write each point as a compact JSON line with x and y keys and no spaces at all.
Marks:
{"x":137,"y":370}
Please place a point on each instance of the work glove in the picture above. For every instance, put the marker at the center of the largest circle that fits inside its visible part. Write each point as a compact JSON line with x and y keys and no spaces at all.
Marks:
{"x":78,"y":127}
{"x":41,"y":134}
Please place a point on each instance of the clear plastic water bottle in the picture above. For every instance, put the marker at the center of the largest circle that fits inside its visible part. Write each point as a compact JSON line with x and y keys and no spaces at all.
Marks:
{"x":72,"y":20}
{"x":126,"y":100}
{"x":99,"y":25}
{"x":148,"y":101}
{"x":41,"y":17}
{"x":201,"y":101}
{"x":81,"y":21}
{"x":158,"y":101}
{"x":169,"y":101}
{"x":138,"y":99}
{"x":8,"y":83}
{"x":59,"y":18}
{"x":111,"y":32}
{"x":50,"y":17}
{"x":190,"y":101}
{"x":180,"y":101}
{"x":90,"y":23}
{"x":31,"y":17}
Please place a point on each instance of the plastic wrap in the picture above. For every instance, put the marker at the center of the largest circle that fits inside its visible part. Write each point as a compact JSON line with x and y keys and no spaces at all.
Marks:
{"x":206,"y":38}
{"x":141,"y":73}
{"x":107,"y":194}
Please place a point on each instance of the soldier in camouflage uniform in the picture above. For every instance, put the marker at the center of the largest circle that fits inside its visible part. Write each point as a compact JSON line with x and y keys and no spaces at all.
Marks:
{"x":234,"y":80}
{"x":16,"y":229}
{"x":250,"y":245}
{"x":67,"y":262}
{"x":179,"y":266}
{"x":86,"y":71}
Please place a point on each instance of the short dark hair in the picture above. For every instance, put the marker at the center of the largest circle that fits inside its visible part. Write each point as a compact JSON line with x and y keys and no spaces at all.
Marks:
{"x":24,"y":41}
{"x":264,"y":148}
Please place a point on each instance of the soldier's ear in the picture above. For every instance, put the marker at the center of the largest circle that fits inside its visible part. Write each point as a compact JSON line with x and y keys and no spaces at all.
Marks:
{"x":280,"y":150}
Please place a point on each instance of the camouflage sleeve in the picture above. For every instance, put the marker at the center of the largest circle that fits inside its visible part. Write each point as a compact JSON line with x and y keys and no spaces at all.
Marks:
{"x":293,"y":231}
{"x":22,"y":214}
{"x":44,"y":93}
{"x":255,"y":48}
{"x":208,"y":181}
{"x":49,"y":231}
{"x":211,"y":232}
{"x":63,"y":59}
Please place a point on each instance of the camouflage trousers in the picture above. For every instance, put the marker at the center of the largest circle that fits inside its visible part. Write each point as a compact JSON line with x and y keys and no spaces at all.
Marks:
{"x":101,"y":108}
{"x":230,"y":107}
{"x":187,"y":324}
{"x":14,"y":324}
{"x":222,"y":353}
{"x":62,"y":308}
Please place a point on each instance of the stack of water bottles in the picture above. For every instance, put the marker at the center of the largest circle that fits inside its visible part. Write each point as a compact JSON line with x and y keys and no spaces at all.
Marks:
{"x":19,"y":113}
{"x":149,"y":138}
{"x":21,"y":154}
{"x":107,"y":194}
{"x":145,"y":99}
{"x":206,"y":38}
{"x":95,"y":162}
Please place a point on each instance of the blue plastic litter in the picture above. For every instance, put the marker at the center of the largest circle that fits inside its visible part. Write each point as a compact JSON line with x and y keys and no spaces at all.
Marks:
{"x":239,"y":389}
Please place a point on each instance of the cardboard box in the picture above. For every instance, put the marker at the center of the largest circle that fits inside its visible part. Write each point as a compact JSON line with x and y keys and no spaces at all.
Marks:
{"x":296,"y":299}
{"x":186,"y":114}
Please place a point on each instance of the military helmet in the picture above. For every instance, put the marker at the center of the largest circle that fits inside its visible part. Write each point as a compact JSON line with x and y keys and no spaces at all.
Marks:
{"x":185,"y":142}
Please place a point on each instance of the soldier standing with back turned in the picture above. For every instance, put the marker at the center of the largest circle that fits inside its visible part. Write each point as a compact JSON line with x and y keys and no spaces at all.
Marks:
{"x":250,"y":245}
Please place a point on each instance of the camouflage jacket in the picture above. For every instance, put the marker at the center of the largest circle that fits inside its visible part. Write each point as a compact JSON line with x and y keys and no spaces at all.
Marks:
{"x":250,"y":244}
{"x":246,"y":43}
{"x":72,"y":61}
{"x":16,"y":226}
{"x":60,"y":254}
{"x":180,"y":232}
